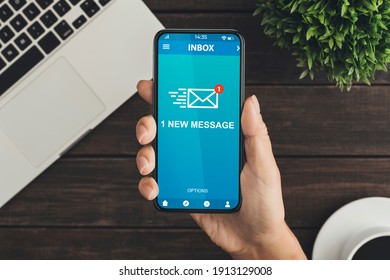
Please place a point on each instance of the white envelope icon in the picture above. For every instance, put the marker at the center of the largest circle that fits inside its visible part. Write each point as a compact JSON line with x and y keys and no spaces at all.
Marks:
{"x":202,"y":98}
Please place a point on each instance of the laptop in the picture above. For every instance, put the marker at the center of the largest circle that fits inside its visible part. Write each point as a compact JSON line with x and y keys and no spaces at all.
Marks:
{"x":65,"y":65}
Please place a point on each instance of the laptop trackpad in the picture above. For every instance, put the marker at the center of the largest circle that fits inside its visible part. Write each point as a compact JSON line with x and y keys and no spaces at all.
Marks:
{"x":47,"y":114}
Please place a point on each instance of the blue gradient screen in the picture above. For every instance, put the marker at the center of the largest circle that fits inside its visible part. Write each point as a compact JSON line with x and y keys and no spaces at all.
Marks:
{"x":198,"y":121}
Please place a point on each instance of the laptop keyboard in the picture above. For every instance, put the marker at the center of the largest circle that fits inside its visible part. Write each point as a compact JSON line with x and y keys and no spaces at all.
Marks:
{"x":32,"y":30}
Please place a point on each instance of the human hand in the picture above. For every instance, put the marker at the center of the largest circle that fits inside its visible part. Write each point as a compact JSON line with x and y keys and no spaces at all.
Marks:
{"x":258,"y":230}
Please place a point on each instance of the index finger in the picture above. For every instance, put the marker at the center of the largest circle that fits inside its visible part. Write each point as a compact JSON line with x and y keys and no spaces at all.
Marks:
{"x":145,"y":90}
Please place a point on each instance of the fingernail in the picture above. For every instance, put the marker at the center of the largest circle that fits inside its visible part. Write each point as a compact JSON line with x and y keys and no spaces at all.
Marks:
{"x":143,"y":163}
{"x":147,"y":191}
{"x":141,"y":133}
{"x":256,"y":104}
{"x":152,"y":193}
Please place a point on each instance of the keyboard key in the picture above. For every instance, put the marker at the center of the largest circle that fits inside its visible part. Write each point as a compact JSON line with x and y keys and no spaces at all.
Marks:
{"x":5,"y":13}
{"x":31,"y":11}
{"x":17,"y":4}
{"x":63,"y":30}
{"x":6,"y":34}
{"x":44,"y":3}
{"x":19,"y":68}
{"x":49,"y":42}
{"x":104,"y":2}
{"x":79,"y":21}
{"x":23,"y":41}
{"x":2,"y":64}
{"x":61,"y":7}
{"x":74,"y":2}
{"x":90,"y":7}
{"x":48,"y":18}
{"x":18,"y":23}
{"x":36,"y":30}
{"x":10,"y":53}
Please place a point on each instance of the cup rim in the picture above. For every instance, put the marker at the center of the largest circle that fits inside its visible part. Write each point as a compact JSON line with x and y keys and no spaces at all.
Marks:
{"x":365,"y":240}
{"x":346,"y":221}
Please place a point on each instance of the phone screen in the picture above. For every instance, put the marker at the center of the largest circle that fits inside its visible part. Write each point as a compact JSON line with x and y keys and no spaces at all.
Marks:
{"x":198,"y":99}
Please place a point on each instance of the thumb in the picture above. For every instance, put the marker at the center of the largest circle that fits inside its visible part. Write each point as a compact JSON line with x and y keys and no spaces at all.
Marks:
{"x":258,"y":147}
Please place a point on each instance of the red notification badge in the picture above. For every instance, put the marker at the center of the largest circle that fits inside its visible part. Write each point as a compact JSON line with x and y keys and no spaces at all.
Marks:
{"x":219,"y":88}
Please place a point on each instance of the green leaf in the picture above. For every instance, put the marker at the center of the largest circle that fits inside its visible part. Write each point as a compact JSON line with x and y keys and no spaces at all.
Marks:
{"x":296,"y":38}
{"x":294,"y":7}
{"x":290,"y":30}
{"x":370,"y":5}
{"x":311,"y":73}
{"x":303,"y":74}
{"x":357,"y":74}
{"x":382,"y":25}
{"x":257,"y":12}
{"x":339,"y":44}
{"x":331,"y":43}
{"x":322,"y":38}
{"x":326,"y":60}
{"x":339,"y":36}
{"x":321,"y":18}
{"x":381,"y":66}
{"x":371,"y":55}
{"x":301,"y":64}
{"x":366,"y":81}
{"x":344,"y":9}
{"x":310,"y":61}
{"x":310,"y":32}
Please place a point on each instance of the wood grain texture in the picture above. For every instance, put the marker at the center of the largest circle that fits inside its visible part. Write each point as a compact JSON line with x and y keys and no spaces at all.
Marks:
{"x":331,"y":147}
{"x":315,"y":121}
{"x":201,"y":5}
{"x":320,"y":121}
{"x":119,"y":244}
{"x":65,"y":243}
{"x":265,"y":63}
{"x":104,"y":193}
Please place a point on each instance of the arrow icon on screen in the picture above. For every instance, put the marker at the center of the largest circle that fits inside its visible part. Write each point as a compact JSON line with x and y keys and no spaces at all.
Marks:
{"x":238,"y":48}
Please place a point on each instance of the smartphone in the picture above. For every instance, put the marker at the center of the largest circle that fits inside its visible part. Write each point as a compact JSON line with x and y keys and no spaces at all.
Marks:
{"x":198,"y":98}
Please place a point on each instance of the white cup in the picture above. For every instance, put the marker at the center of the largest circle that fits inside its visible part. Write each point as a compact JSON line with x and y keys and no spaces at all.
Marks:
{"x":361,"y":238}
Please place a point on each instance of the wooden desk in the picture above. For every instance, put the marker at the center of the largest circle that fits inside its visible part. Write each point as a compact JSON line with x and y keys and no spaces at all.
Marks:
{"x":331,"y":148}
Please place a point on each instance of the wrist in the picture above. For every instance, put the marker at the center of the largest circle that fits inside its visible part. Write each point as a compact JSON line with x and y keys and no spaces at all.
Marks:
{"x":281,"y":245}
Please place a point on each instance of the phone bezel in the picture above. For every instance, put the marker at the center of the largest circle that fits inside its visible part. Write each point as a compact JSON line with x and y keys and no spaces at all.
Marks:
{"x":155,"y":112}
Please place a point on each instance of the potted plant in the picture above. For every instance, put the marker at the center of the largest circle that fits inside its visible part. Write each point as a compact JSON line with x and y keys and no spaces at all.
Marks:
{"x":348,"y":39}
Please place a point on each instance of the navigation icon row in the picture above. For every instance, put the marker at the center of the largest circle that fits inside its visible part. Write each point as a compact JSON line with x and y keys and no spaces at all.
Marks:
{"x":186,"y":203}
